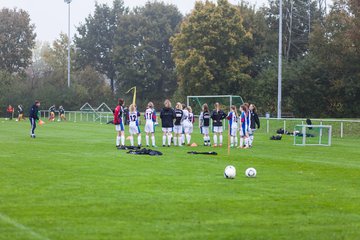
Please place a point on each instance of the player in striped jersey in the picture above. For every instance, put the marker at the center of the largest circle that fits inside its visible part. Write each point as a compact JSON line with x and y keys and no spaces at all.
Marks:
{"x":150,"y":117}
{"x":118,"y":122}
{"x":188,"y":124}
{"x":233,"y":125}
{"x":134,"y":128}
{"x":248,"y":124}
{"x":204,"y":124}
{"x":243,"y":126}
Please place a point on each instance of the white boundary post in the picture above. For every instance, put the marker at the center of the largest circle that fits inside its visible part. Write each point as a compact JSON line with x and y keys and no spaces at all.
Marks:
{"x":341,"y":129}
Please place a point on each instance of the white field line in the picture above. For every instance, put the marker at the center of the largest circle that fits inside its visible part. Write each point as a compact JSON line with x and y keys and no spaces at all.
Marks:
{"x":24,"y":228}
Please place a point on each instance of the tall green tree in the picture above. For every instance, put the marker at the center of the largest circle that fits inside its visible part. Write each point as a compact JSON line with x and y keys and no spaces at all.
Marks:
{"x":17,"y":38}
{"x":337,"y":46}
{"x":143,"y":51}
{"x":95,"y":39}
{"x":210,"y":51}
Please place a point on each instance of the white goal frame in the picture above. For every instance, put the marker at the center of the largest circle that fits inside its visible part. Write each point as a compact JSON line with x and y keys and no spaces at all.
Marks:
{"x":303,"y":131}
{"x":230,"y":97}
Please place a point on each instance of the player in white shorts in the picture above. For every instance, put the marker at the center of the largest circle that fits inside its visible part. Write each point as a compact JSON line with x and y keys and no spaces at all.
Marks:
{"x":218,"y":116}
{"x":134,"y":128}
{"x":178,"y":129}
{"x":204,"y":124}
{"x":150,"y":118}
{"x":167,"y":116}
{"x":243,"y":127}
{"x":233,"y":125}
{"x":188,"y":124}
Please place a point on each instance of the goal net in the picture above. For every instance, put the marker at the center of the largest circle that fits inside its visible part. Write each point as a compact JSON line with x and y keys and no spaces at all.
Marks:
{"x":225,"y":102}
{"x":312,"y":135}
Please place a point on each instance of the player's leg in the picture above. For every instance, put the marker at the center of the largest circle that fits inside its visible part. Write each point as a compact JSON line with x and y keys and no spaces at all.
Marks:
{"x":33,"y":126}
{"x":215,"y":131}
{"x":169,"y":136}
{"x":139,"y":136}
{"x":122,"y":134}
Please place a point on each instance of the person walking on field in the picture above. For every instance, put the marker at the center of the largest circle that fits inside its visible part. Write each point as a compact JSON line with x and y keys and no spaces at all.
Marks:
{"x":33,"y":117}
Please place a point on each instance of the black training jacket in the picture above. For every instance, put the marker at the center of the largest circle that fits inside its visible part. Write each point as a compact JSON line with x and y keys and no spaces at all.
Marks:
{"x":34,"y":112}
{"x":217,"y":117}
{"x":167,"y":116}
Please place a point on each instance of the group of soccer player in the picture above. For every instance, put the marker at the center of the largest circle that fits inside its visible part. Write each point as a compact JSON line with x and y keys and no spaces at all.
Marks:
{"x":61,"y":111}
{"x":245,"y":123}
{"x":180,"y":120}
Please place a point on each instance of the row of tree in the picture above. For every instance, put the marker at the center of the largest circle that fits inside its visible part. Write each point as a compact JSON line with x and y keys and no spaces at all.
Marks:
{"x":219,"y":48}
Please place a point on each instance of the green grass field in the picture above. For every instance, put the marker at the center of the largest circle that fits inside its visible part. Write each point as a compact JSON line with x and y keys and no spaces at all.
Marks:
{"x":72,"y":183}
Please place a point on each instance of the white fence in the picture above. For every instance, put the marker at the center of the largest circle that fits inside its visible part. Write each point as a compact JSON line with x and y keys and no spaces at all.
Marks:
{"x":341,"y":127}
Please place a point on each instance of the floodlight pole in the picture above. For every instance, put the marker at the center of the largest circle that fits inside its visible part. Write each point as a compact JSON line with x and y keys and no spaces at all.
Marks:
{"x":69,"y":40}
{"x":280,"y":61}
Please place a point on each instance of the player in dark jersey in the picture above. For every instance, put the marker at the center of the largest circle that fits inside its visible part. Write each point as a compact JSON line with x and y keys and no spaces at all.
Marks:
{"x":62,"y":114}
{"x":118,"y":122}
{"x":167,"y":116}
{"x":218,"y":116}
{"x":33,"y":117}
{"x":178,"y":128}
{"x":204,"y":124}
{"x":254,"y":121}
{"x":21,"y":113}
{"x":52,"y":110}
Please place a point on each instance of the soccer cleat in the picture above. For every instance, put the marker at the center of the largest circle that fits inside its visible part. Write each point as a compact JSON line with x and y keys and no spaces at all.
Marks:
{"x":214,"y":145}
{"x":220,"y":145}
{"x":168,"y":145}
{"x":147,"y":145}
{"x":117,"y":146}
{"x":163,"y":145}
{"x":154,"y":146}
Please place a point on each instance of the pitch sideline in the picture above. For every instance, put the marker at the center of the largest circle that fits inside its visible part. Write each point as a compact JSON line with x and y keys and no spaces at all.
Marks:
{"x":22,"y":227}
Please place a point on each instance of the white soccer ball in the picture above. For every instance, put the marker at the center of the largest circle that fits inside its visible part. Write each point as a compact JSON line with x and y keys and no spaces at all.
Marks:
{"x":230,"y":172}
{"x":250,"y":172}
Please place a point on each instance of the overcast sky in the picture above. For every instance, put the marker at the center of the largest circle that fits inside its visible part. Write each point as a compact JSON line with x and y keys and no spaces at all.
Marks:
{"x":50,"y":16}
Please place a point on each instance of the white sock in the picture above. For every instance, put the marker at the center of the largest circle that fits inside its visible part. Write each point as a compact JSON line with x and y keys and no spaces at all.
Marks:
{"x":215,"y":139}
{"x":205,"y":140}
{"x":164,"y":139}
{"x":221,"y":139}
{"x":131,"y":140}
{"x":251,"y":139}
{"x":236,"y":140}
{"x":147,"y":140}
{"x":117,"y":140}
{"x":153,"y":140}
{"x":175,"y":141}
{"x":122,"y":140}
{"x":139,"y":139}
{"x":241,"y":142}
{"x":180,"y":140}
{"x":188,"y":138}
{"x":232,"y":141}
{"x":169,"y":139}
{"x":246,"y":142}
{"x":208,"y":139}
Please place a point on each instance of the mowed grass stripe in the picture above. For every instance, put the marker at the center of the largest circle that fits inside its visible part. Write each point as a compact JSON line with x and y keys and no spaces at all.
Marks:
{"x":72,"y":183}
